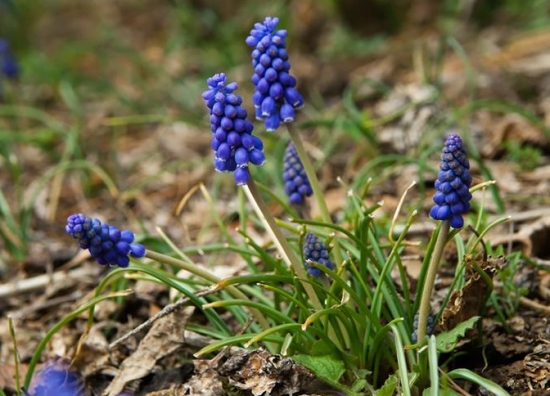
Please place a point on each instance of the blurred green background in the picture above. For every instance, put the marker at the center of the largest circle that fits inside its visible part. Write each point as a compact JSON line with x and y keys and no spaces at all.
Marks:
{"x":154,"y":55}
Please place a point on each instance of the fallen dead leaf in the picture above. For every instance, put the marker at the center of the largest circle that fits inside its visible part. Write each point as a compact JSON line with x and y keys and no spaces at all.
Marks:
{"x":468,"y":301}
{"x":164,"y":338}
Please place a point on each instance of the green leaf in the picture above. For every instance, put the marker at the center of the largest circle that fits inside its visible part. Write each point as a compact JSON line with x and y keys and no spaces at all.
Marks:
{"x":389,"y":386}
{"x":441,"y":392}
{"x":478,"y":379}
{"x":323,"y":348}
{"x":447,"y":339}
{"x":327,"y":367}
{"x":359,"y":385}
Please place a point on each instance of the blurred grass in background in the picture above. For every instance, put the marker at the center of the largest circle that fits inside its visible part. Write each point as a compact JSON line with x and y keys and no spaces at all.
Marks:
{"x":104,"y":72}
{"x":154,"y":55}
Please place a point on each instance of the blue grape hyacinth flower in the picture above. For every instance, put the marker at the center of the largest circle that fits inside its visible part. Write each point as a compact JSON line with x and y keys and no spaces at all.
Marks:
{"x":276,"y":97}
{"x":232,"y":141}
{"x":8,"y":64}
{"x":57,"y":379}
{"x":430,"y":326}
{"x":453,"y":196}
{"x":297,"y":185}
{"x":106,"y":243}
{"x":314,"y":250}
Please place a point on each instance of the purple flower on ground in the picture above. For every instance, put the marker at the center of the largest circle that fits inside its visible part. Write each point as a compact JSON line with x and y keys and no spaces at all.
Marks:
{"x":232,"y":140}
{"x":297,"y":185}
{"x":8,"y":64}
{"x":57,"y":379}
{"x":453,"y":196}
{"x":276,"y":96}
{"x":106,"y":243}
{"x":315,"y":251}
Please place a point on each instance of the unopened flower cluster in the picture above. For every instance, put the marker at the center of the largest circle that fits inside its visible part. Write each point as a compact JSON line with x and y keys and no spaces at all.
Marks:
{"x":453,"y":196}
{"x":430,"y":326}
{"x":8,"y":65}
{"x":232,"y":140}
{"x":314,"y":250}
{"x":297,"y":185}
{"x":106,"y":243}
{"x":276,"y":96}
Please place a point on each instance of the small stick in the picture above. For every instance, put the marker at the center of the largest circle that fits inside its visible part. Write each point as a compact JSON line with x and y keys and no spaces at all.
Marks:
{"x":534,"y":305}
{"x":41,"y":281}
{"x":165,"y":311}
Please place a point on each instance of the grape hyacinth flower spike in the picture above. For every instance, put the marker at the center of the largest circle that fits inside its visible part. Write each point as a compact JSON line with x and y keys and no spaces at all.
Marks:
{"x":232,"y":140}
{"x":276,"y":97}
{"x":430,"y":326}
{"x":314,"y":250}
{"x":8,"y":64}
{"x":57,"y":378}
{"x":453,"y":196}
{"x":452,"y":200}
{"x":106,"y":243}
{"x":297,"y":185}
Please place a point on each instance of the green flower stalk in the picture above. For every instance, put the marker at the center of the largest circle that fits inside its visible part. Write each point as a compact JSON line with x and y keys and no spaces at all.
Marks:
{"x":452,"y":200}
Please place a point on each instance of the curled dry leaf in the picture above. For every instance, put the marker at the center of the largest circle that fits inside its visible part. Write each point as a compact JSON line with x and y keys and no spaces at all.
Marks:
{"x":531,"y":239}
{"x":163,"y":339}
{"x":469,"y":301}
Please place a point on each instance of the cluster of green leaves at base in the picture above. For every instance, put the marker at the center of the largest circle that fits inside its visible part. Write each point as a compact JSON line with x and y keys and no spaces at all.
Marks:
{"x":350,"y":343}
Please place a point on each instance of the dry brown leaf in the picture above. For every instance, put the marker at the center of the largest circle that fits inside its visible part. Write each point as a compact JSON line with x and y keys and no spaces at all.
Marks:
{"x":511,"y":127}
{"x":93,"y":352}
{"x":532,"y":239}
{"x":258,"y":372}
{"x":7,"y":375}
{"x":205,"y":382}
{"x":537,"y":365}
{"x":163,"y":339}
{"x":467,"y":302}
